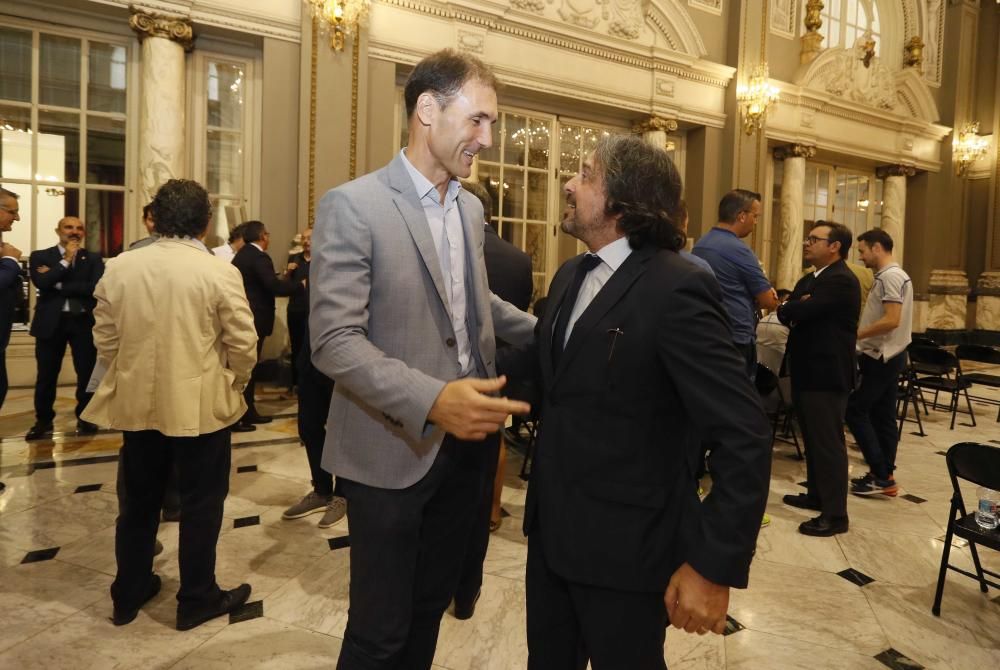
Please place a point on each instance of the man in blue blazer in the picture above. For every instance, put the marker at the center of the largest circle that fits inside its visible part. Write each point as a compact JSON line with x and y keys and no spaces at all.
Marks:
{"x":65,"y":276}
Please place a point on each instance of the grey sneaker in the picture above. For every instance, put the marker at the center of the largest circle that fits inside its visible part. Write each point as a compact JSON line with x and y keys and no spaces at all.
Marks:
{"x":311,"y":503}
{"x":335,"y":511}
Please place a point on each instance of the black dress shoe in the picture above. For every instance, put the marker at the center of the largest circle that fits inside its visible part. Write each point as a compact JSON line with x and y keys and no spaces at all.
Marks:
{"x":122,"y":617}
{"x":823,"y":526}
{"x":229,"y":601}
{"x":260,"y":418}
{"x":464,"y":611}
{"x":85,"y":427}
{"x":802,"y":501}
{"x":243,"y":427}
{"x":39,"y":430}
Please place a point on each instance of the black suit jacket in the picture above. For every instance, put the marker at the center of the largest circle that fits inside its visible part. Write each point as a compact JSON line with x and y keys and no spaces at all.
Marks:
{"x":824,"y":330}
{"x":508,"y":270}
{"x":76,"y":281}
{"x":262,"y":285}
{"x":613,"y":495}
{"x":11,"y":292}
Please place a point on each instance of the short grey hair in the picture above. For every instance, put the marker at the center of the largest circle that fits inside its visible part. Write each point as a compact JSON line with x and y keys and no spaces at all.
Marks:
{"x":4,"y":193}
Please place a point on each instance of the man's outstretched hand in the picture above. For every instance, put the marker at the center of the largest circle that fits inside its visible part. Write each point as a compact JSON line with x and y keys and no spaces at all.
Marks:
{"x":465,"y":409}
{"x":695,"y":604}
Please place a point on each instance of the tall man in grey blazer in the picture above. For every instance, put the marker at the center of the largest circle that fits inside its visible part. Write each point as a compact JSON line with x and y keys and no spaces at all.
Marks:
{"x":403,"y":320}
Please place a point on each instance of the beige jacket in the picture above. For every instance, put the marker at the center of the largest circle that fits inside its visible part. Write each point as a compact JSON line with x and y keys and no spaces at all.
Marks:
{"x":174,"y":329}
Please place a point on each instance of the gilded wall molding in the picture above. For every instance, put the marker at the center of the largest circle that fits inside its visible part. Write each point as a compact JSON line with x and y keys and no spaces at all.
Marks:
{"x":152,"y":24}
{"x":655,"y":123}
{"x":794,"y":151}
{"x":897,"y":170}
{"x":313,"y":79}
{"x":661,"y":60}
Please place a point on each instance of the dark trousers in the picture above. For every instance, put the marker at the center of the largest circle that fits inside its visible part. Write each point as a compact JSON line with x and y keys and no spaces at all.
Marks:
{"x":77,"y":332}
{"x":4,"y":341}
{"x":203,"y":466}
{"x":821,"y":416}
{"x":749,"y":351}
{"x":407,"y":547}
{"x":871,"y":412}
{"x":248,"y":392}
{"x":297,"y":321}
{"x":315,"y":392}
{"x":471,"y":579}
{"x":570,"y":623}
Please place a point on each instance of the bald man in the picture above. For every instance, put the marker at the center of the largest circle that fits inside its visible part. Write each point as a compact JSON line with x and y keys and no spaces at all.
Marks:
{"x":65,"y":276}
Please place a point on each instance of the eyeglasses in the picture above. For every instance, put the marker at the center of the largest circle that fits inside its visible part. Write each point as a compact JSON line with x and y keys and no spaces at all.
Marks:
{"x":812,"y":239}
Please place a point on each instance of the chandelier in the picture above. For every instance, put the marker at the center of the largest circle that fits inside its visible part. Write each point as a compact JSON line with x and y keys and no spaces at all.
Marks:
{"x":968,"y":147}
{"x":338,"y":18}
{"x":755,"y":97}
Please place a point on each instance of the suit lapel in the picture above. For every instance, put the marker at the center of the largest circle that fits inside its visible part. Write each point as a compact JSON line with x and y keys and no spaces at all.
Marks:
{"x":557,"y":291}
{"x":474,"y":260}
{"x":410,"y":209}
{"x":606,"y":298}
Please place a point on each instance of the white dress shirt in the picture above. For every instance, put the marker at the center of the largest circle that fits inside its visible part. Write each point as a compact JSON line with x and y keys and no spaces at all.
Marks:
{"x":612,"y":256}
{"x":445,"y":221}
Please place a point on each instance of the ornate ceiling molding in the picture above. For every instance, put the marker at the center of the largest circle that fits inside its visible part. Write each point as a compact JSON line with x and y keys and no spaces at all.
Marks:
{"x":794,"y":151}
{"x":226,"y":14}
{"x":896,"y":170}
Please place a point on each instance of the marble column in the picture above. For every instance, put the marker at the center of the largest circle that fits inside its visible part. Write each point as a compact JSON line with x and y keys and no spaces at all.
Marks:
{"x":894,"y":204}
{"x":988,"y":301}
{"x":655,"y":129}
{"x":949,"y":298}
{"x":793,"y":181}
{"x":162,"y":136}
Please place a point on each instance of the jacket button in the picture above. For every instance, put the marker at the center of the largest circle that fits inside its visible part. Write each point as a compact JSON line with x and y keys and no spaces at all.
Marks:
{"x":450,"y":341}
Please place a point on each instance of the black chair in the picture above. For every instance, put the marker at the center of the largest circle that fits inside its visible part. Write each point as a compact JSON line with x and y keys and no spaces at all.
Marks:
{"x":980,"y":465}
{"x":768,"y":383}
{"x":923,"y":341}
{"x":938,"y":365}
{"x":907,"y":393}
{"x":981,"y":354}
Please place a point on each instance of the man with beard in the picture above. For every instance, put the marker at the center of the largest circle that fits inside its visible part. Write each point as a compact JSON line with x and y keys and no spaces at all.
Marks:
{"x":635,"y":356}
{"x":65,"y":276}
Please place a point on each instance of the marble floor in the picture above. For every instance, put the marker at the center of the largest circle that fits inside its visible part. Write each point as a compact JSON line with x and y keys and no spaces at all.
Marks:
{"x":859,"y":600}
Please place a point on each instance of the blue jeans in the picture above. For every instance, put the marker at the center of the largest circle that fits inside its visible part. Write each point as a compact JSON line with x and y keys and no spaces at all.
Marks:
{"x":871,"y":413}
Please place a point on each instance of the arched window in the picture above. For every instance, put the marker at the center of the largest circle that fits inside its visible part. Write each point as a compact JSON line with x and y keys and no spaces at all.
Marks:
{"x":846,"y":20}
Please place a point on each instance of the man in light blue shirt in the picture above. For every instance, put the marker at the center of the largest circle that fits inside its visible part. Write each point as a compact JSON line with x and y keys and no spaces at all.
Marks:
{"x":744,"y":286}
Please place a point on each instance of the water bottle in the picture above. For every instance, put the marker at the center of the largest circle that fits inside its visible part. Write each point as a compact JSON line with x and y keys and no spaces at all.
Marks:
{"x":989,"y":505}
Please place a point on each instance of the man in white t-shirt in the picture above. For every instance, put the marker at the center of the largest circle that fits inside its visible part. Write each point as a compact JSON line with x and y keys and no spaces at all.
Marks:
{"x":883,"y":335}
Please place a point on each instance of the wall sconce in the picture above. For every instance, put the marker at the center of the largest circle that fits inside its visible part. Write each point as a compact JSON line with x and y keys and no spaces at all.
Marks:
{"x":339,"y":18}
{"x":968,"y":147}
{"x":755,"y":97}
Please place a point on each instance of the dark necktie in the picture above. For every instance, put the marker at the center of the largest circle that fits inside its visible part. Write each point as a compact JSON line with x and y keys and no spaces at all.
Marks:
{"x":588,"y":263}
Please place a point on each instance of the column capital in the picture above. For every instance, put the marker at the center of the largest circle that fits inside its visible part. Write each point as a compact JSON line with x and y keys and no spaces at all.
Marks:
{"x":884,"y":171}
{"x":794,"y":151}
{"x":151,"y":24}
{"x":654,"y":123}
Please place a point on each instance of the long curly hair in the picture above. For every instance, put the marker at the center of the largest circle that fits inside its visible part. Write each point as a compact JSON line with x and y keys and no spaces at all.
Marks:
{"x":643,"y":185}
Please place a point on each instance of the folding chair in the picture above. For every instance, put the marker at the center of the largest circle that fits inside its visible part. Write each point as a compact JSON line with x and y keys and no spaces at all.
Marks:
{"x":768,"y":383}
{"x":907,"y":393}
{"x":981,"y":354}
{"x":980,"y":465}
{"x":939,"y":365}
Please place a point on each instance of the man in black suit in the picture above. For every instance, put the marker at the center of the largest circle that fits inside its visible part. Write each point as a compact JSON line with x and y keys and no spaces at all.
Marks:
{"x":508,"y":273}
{"x":262,"y":286}
{"x":65,"y":276}
{"x":11,"y":287}
{"x":635,"y":354}
{"x":822,"y":314}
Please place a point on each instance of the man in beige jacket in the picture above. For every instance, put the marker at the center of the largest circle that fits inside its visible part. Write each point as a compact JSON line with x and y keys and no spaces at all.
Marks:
{"x":173,"y":328}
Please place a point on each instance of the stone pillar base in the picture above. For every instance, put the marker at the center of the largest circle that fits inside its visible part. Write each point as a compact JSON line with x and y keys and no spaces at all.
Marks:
{"x":988,"y":302}
{"x":949,"y":296}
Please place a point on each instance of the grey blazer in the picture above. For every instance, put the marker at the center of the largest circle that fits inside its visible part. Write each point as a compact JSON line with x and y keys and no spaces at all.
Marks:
{"x":380,"y":326}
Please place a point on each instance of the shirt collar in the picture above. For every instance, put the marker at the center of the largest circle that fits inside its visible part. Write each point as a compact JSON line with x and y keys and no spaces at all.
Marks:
{"x":887,"y":267}
{"x":423,"y":184}
{"x":196,"y":242}
{"x":615,"y":253}
{"x":258,"y":246}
